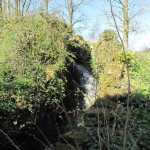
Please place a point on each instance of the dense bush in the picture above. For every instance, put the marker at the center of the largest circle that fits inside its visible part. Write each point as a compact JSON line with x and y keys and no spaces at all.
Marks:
{"x":107,"y":46}
{"x":106,"y":65}
{"x":81,"y":50}
{"x":110,"y":68}
{"x":32,"y":71}
{"x":37,"y":53}
{"x":36,"y":56}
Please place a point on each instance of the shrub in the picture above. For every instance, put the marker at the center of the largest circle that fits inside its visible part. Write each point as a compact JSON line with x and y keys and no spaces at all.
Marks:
{"x":32,"y":79}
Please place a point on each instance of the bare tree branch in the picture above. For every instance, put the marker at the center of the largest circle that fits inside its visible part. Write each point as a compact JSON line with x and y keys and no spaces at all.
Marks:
{"x":128,"y":75}
{"x":23,"y":6}
{"x":10,"y":140}
{"x":120,"y":2}
{"x":44,"y":136}
{"x":42,"y":143}
{"x":77,"y":5}
{"x":65,"y":139}
{"x":136,"y":14}
{"x":28,"y":6}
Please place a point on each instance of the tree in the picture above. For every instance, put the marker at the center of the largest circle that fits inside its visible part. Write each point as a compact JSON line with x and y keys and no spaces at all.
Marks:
{"x":24,"y":3}
{"x":46,"y":4}
{"x":1,"y":10}
{"x":8,"y":9}
{"x":23,"y":7}
{"x":126,"y":26}
{"x":125,"y":23}
{"x":71,"y":9}
{"x":126,"y":62}
{"x":17,"y":7}
{"x":5,"y":10}
{"x":29,"y":3}
{"x":125,"y":13}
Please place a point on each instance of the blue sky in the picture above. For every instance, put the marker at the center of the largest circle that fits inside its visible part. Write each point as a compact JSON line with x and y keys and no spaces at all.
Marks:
{"x":95,"y":20}
{"x":137,"y":40}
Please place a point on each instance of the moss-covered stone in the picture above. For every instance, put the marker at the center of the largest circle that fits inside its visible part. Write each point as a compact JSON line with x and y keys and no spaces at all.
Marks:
{"x":80,"y":48}
{"x":107,"y":67}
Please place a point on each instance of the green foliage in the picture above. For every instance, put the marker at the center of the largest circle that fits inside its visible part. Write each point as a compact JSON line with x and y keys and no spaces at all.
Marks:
{"x":33,"y":66}
{"x":131,"y":57}
{"x":79,"y":47}
{"x":109,"y":66}
{"x":109,"y":35}
{"x":146,"y":50}
{"x":107,"y":46}
{"x":35,"y":52}
{"x":33,"y":48}
{"x":140,"y":75}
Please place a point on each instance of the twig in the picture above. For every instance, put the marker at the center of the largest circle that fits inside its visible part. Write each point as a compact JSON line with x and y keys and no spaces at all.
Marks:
{"x":42,"y":143}
{"x":10,"y":140}
{"x":44,"y":136}
{"x":28,"y":6}
{"x":106,"y":123}
{"x":69,"y":121}
{"x":98,"y":115}
{"x":70,"y":124}
{"x":128,"y":75}
{"x":64,"y":139}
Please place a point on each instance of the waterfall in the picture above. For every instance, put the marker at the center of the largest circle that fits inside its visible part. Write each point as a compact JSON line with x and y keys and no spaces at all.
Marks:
{"x":87,"y":82}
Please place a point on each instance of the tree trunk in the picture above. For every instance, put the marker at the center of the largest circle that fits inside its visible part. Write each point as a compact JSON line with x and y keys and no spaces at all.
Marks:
{"x":29,"y":3}
{"x":72,"y":7}
{"x":17,"y":7}
{"x":46,"y":5}
{"x":7,"y":9}
{"x":23,"y":7}
{"x":71,"y":15}
{"x":1,"y":10}
{"x":126,"y":26}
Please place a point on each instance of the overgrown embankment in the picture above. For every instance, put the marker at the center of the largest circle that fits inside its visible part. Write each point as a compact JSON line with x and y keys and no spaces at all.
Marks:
{"x":37,"y":75}
{"x":32,"y":69}
{"x":110,"y":69}
{"x":36,"y":58}
{"x":103,"y":123}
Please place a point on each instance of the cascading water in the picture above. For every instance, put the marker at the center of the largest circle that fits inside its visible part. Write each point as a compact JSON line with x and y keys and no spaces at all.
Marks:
{"x":88,"y":83}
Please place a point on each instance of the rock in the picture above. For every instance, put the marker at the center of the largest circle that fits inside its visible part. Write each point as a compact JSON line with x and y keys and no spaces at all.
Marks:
{"x":80,"y":133}
{"x":61,"y":146}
